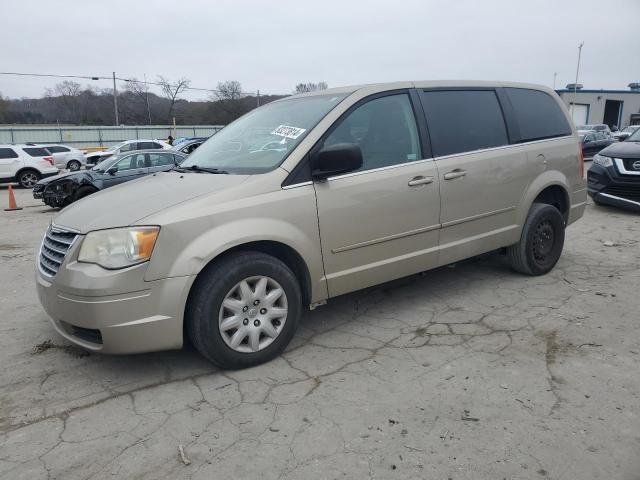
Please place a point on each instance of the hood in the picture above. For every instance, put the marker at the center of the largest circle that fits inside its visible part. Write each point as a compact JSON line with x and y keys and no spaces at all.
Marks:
{"x":622,"y":150}
{"x":129,"y":202}
{"x":60,"y":176}
{"x":102,"y":153}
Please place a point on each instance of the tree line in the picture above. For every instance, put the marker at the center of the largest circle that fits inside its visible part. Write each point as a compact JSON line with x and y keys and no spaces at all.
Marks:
{"x":68,"y":102}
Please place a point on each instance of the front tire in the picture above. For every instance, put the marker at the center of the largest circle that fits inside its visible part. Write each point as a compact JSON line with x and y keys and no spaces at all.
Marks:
{"x":29,"y":178}
{"x":243,"y":310}
{"x":541,"y":242}
{"x":82,"y":192}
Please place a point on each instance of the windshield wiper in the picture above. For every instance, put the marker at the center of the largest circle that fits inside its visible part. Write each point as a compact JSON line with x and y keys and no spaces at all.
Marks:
{"x":196,"y":168}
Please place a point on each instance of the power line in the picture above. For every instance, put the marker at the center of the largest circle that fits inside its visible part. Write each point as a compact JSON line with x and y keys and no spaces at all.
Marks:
{"x":146,"y":82}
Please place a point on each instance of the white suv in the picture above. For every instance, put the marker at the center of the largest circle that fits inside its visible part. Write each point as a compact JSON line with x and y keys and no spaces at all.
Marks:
{"x":66,"y":157}
{"x":25,"y":164}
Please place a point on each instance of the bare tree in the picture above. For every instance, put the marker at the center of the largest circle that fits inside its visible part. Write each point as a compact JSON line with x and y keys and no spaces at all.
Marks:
{"x":310,"y":87}
{"x":4,"y":106}
{"x":140,"y":92}
{"x":67,"y":94}
{"x":172,"y":92}
{"x":229,"y":90}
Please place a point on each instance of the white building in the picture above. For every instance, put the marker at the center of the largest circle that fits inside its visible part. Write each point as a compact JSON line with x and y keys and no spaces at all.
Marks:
{"x":612,"y":107}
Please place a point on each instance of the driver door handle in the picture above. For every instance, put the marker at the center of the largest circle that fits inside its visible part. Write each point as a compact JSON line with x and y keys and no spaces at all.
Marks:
{"x":420,"y":180}
{"x":457,"y":173}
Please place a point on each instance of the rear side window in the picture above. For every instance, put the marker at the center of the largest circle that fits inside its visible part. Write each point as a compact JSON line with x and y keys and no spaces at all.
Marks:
{"x":537,"y":114}
{"x":464,"y":120}
{"x":8,"y":153}
{"x":146,"y":146}
{"x":57,"y":149}
{"x":36,"y":152}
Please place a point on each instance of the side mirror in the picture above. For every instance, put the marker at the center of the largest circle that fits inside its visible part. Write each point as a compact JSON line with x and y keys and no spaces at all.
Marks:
{"x":587,"y":140}
{"x":335,"y":159}
{"x":113,"y":170}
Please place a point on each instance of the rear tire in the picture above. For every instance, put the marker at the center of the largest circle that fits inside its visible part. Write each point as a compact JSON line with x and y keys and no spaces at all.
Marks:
{"x":74,"y":165}
{"x":250,"y":328}
{"x":541,"y":241}
{"x":29,"y":178}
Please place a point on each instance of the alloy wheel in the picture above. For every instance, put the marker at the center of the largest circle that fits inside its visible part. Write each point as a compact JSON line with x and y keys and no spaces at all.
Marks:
{"x":28,"y":179}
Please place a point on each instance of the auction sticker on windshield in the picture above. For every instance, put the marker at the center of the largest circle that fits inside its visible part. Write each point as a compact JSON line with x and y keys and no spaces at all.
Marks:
{"x":288,"y":132}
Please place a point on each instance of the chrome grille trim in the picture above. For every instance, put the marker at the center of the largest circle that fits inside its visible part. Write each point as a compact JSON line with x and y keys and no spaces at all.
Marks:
{"x":53,"y":250}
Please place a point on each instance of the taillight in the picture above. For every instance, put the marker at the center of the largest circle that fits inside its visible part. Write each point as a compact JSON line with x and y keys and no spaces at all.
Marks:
{"x":581,"y":162}
{"x":48,"y":159}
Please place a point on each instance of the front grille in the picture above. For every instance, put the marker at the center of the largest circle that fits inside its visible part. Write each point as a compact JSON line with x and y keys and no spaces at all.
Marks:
{"x":628,"y":164}
{"x":631,"y":192}
{"x":55,"y":245}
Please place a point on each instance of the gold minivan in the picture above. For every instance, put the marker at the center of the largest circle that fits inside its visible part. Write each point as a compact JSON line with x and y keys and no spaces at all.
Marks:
{"x":307,"y":198}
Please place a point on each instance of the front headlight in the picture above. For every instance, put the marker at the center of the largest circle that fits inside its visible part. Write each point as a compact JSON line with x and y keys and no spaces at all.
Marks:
{"x":602,"y":160}
{"x":119,"y":247}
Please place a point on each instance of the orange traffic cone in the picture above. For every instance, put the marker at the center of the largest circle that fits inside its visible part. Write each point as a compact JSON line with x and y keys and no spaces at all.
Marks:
{"x":12,"y":201}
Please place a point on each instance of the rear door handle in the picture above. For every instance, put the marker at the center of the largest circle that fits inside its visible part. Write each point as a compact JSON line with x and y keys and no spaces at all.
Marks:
{"x":415,"y":181}
{"x":457,"y":173}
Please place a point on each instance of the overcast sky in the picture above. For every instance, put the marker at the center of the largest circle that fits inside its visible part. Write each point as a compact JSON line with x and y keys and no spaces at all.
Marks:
{"x":272,"y":45}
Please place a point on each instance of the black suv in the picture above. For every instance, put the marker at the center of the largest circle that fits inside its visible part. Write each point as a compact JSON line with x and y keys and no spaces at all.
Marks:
{"x":614,"y":175}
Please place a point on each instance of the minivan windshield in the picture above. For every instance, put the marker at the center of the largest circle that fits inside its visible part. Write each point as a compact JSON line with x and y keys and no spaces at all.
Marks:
{"x":260,"y":140}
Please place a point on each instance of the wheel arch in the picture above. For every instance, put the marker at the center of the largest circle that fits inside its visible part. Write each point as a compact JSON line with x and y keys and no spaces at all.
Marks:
{"x":557,"y":196}
{"x":27,"y":169}
{"x":551,"y":188}
{"x":283,"y":252}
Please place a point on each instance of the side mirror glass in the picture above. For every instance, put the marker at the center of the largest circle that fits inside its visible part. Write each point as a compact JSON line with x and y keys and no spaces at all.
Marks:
{"x":335,"y":159}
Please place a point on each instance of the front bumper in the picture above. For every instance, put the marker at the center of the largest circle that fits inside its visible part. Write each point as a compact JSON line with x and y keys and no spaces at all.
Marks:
{"x":605,"y":185}
{"x":114,"y":311}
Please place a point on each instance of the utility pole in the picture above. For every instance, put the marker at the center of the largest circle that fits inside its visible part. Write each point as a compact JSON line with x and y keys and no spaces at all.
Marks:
{"x":575,"y":85}
{"x":115,"y":98}
{"x":258,"y":97}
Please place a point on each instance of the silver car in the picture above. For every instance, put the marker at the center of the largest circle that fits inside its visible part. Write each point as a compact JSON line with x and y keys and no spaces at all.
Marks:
{"x":308,"y":198}
{"x":65,"y":157}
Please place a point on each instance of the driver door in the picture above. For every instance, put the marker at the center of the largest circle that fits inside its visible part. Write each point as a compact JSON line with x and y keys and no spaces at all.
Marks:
{"x":380,"y":222}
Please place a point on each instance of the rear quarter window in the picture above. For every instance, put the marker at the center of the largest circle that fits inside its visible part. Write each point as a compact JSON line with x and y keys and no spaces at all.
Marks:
{"x":464,"y":120}
{"x":537,"y":114}
{"x":57,"y":149}
{"x":36,"y":152}
{"x":8,"y":153}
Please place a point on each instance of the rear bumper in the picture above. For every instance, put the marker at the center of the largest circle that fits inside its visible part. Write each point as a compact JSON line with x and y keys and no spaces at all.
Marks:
{"x":87,"y":308}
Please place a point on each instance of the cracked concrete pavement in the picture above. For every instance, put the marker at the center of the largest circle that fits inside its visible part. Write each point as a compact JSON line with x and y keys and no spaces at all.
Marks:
{"x":467,"y":372}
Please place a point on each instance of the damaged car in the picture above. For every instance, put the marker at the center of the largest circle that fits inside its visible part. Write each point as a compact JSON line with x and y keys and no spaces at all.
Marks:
{"x":63,"y":190}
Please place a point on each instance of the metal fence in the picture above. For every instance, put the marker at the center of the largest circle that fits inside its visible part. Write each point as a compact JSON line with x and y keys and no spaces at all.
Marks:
{"x":86,"y":137}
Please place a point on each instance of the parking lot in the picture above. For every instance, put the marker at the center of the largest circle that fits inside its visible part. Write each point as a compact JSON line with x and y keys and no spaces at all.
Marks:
{"x":469,"y":371}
